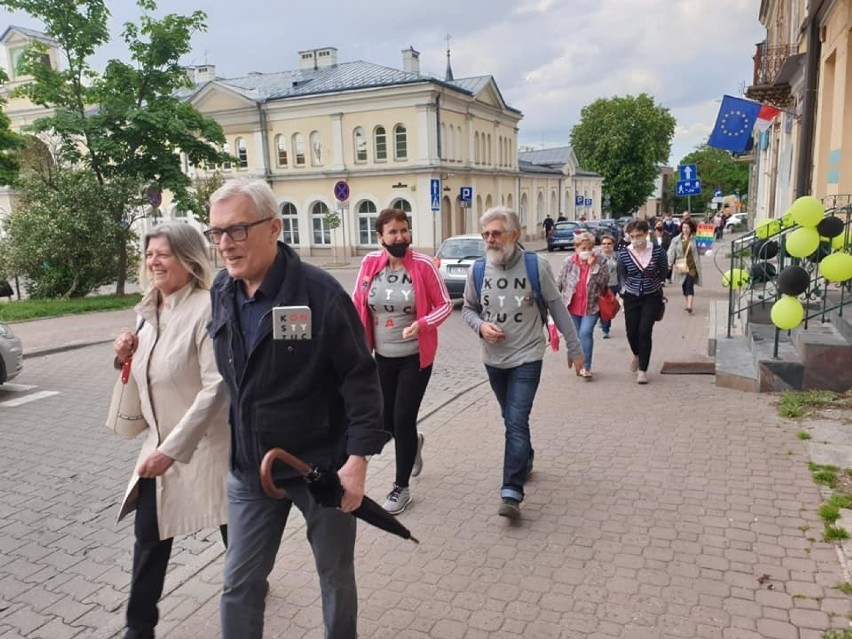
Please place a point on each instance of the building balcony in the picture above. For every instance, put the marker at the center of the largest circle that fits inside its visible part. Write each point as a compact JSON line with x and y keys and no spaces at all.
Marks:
{"x":774,"y":66}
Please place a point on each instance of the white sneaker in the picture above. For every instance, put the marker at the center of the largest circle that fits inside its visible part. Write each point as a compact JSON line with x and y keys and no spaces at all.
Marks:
{"x":641,"y":377}
{"x":397,"y":500}
{"x":418,"y":458}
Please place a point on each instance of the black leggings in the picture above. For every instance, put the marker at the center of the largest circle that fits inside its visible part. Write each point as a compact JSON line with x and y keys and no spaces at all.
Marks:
{"x":640,"y":313}
{"x":150,"y":560}
{"x":688,"y":285}
{"x":403,"y":386}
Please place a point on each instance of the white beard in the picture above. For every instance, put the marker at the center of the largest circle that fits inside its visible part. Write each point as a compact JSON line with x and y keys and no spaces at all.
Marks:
{"x":499,"y":256}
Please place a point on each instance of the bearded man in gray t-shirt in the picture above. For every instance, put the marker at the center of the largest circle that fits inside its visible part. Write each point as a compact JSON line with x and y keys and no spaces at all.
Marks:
{"x":506,"y":317}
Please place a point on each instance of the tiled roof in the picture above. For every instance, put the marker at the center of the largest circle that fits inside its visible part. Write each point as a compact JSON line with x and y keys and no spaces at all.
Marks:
{"x":529,"y":167}
{"x":547,"y":157}
{"x":342,"y":77}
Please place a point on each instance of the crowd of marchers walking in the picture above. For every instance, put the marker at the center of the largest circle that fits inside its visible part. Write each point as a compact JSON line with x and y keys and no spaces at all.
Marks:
{"x":219,"y":387}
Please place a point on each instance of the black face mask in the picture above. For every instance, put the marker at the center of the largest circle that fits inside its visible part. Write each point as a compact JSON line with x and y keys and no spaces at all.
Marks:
{"x":397,"y":250}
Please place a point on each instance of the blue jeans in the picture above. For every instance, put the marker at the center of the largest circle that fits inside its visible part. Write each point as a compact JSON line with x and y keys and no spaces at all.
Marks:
{"x":515,"y":390}
{"x":606,"y":325}
{"x":255,"y":525}
{"x":585,"y":325}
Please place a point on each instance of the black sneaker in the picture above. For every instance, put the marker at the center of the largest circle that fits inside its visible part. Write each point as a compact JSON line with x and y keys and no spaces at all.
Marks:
{"x":510,"y":508}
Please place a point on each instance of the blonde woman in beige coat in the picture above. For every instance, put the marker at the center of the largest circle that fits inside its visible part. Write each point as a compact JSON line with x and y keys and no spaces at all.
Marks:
{"x":178,"y":485}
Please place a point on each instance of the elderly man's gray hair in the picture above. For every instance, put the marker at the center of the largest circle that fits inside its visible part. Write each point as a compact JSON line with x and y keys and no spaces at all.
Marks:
{"x":263,"y":201}
{"x":503,"y":214}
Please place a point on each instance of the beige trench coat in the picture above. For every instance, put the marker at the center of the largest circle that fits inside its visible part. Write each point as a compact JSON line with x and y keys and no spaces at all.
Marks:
{"x":185,"y":405}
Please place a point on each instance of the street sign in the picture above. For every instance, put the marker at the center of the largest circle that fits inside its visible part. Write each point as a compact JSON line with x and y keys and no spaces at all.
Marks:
{"x":341,"y":191}
{"x":588,"y":201}
{"x":717,"y":193}
{"x":466,"y":194}
{"x":688,"y":187}
{"x":688,"y":172}
{"x":578,"y":200}
{"x":435,"y":190}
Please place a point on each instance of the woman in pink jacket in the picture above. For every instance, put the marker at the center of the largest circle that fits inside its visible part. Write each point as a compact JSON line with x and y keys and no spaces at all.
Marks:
{"x":401,"y":300}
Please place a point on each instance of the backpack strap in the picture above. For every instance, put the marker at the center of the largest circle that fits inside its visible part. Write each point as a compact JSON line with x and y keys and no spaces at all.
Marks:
{"x":531,"y":263}
{"x":478,"y":277}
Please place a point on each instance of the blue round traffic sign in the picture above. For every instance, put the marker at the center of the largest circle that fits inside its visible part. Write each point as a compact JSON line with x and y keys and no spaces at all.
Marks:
{"x":341,"y":191}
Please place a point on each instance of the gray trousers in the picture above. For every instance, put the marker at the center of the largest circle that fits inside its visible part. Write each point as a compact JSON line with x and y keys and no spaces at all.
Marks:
{"x":255,"y":525}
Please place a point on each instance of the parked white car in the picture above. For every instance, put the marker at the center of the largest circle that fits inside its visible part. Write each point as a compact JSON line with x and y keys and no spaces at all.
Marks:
{"x":11,"y":354}
{"x":454,"y":259}
{"x":737,"y":222}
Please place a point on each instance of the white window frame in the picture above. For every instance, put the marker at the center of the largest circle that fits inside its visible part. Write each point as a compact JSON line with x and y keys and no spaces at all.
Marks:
{"x":367,"y":214}
{"x":318,"y":212}
{"x":290,"y":224}
{"x":400,"y":142}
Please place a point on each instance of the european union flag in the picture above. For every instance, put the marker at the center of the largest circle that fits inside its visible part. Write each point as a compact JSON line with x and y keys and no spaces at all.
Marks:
{"x":734,"y":124}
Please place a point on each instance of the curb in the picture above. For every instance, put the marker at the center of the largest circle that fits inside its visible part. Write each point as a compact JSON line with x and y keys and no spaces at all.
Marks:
{"x":64,"y":348}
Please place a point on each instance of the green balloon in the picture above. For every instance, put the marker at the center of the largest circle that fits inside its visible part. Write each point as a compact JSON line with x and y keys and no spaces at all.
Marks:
{"x":839,"y":242}
{"x":787,"y":312}
{"x":802,"y":242}
{"x":766,"y":227}
{"x":836,"y":267}
{"x":734,"y":278}
{"x":807,"y":210}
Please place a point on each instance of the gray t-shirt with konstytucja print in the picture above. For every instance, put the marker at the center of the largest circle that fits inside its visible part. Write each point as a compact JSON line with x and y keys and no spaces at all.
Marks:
{"x":391,"y":301}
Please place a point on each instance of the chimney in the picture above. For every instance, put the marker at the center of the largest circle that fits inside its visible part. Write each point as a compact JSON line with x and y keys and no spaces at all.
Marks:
{"x":202,"y":73}
{"x":411,"y":60}
{"x":313,"y":59}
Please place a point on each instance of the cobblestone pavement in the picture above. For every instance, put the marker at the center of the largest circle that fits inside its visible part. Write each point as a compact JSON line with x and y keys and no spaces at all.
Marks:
{"x":675,"y":509}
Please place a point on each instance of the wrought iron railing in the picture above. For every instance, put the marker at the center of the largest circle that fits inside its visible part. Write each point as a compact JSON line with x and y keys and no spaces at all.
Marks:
{"x":762,"y":259}
{"x":768,"y":61}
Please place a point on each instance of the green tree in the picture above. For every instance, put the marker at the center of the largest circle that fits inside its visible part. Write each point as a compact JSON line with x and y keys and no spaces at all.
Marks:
{"x":56,"y":239}
{"x":128,"y":125}
{"x":624,"y":139}
{"x":10,"y":144}
{"x":717,"y":169}
{"x":199,"y":198}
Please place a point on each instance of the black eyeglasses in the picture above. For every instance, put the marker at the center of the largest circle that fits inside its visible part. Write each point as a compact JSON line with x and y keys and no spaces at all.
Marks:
{"x":237,"y":232}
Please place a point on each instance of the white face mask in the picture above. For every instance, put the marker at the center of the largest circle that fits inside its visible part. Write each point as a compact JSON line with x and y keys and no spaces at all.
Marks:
{"x":585,"y":255}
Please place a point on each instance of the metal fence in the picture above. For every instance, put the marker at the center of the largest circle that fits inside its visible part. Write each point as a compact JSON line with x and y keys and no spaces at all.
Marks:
{"x":763,"y":259}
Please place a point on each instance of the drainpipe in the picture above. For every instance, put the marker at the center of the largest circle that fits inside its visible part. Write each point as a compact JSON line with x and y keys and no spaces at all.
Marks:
{"x":264,"y":139}
{"x":804,"y":170}
{"x":438,"y":125}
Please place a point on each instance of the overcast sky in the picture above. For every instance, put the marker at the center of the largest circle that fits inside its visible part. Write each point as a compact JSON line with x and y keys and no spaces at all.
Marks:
{"x":549,"y":57}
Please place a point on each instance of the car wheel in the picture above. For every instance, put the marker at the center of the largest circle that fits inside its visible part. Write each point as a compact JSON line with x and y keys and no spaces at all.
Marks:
{"x":550,"y":249}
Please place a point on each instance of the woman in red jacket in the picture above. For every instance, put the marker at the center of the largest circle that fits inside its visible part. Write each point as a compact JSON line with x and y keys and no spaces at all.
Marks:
{"x":401,"y":301}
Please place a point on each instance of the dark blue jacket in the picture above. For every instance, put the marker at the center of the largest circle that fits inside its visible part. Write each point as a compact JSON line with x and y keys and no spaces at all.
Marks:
{"x":320,"y":398}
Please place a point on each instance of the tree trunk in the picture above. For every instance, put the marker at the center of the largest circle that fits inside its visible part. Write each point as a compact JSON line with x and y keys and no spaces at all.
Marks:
{"x":121,"y":277}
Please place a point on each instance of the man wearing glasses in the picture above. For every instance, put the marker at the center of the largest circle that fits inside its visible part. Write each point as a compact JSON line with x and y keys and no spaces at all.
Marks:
{"x":317,"y":397}
{"x":505,"y":314}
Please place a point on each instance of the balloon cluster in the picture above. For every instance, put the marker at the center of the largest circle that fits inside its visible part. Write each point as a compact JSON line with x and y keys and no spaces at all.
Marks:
{"x":815,"y":240}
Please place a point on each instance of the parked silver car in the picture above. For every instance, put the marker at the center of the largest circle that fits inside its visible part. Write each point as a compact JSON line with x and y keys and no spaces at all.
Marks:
{"x":454,"y":259}
{"x":11,"y":354}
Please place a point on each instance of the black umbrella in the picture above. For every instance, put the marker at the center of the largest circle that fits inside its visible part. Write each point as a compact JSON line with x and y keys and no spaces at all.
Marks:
{"x":326,"y":489}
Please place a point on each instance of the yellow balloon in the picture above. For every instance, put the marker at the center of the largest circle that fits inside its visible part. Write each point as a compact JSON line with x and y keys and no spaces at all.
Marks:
{"x":735,"y":278}
{"x":836,"y":267}
{"x":787,"y":220}
{"x":807,"y":210}
{"x":787,"y":312}
{"x":766,"y":227}
{"x":839,"y":242}
{"x":802,"y":242}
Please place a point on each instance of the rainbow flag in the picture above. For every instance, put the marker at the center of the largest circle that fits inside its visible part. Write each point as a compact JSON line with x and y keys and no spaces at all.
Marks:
{"x":704,"y":236}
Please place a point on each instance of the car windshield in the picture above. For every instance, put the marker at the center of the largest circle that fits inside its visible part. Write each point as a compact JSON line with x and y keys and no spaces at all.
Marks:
{"x":566,"y":227}
{"x":460,"y":249}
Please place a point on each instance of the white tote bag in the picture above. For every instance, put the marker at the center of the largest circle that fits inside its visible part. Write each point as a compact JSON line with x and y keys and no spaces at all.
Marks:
{"x":125,"y":410}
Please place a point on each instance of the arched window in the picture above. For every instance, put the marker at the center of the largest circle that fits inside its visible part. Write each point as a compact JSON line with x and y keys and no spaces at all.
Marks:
{"x":226,"y":165}
{"x":290,"y":226}
{"x":405,"y":205}
{"x":242,"y":153}
{"x":360,"y":141}
{"x":500,"y":150}
{"x":281,"y":149}
{"x":400,"y":138}
{"x":459,"y":145}
{"x":322,"y":233}
{"x":380,"y":139}
{"x":445,"y":143}
{"x":367,"y":224}
{"x":476,"y":147}
{"x":488,"y":150}
{"x":299,"y":149}
{"x":316,"y":148}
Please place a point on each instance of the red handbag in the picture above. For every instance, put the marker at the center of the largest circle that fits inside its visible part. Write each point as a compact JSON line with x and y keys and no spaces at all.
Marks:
{"x":609,"y":305}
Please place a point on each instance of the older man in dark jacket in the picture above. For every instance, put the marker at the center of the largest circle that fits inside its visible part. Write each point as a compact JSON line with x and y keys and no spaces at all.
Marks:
{"x":317,"y":396}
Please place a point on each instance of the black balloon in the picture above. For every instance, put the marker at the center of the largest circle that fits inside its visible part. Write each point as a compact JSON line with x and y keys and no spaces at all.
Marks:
{"x":830,"y":227}
{"x":765,"y":249}
{"x":762,"y":272}
{"x":823,"y":250}
{"x":793,"y":280}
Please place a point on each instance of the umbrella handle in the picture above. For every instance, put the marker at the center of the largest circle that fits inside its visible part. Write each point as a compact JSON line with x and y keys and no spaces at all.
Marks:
{"x":271,"y":456}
